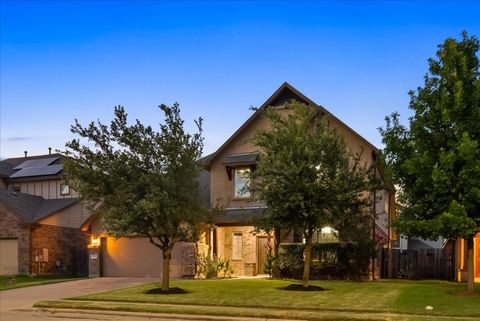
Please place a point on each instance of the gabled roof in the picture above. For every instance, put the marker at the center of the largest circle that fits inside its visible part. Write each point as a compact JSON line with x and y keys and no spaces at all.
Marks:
{"x":33,"y":208}
{"x":15,"y":161}
{"x":282,"y":95}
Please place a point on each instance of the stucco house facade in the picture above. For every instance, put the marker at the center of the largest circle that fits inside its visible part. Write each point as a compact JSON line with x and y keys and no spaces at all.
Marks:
{"x":40,"y":219}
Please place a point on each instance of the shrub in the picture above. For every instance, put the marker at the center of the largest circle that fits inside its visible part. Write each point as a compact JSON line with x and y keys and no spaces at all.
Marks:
{"x":329,"y":260}
{"x":212,"y":266}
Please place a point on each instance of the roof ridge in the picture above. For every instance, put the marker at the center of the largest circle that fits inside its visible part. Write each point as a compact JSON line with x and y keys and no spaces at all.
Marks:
{"x":6,"y":160}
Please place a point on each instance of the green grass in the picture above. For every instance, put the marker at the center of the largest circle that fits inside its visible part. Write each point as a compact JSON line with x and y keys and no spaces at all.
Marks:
{"x":404,"y":297}
{"x":22,"y":280}
{"x":264,"y":313}
{"x":202,"y":310}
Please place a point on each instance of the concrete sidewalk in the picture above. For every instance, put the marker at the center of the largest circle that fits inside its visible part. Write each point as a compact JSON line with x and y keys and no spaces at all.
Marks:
{"x":83,"y":315}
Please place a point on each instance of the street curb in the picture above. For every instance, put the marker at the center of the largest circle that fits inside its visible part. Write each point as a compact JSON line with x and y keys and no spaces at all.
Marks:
{"x":150,"y":315}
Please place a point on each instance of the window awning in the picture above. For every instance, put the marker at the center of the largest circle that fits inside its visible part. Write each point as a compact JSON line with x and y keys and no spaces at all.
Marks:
{"x":245,"y":215}
{"x":237,"y":160}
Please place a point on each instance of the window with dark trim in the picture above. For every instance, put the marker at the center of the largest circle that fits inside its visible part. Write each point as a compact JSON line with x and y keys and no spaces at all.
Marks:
{"x":242,"y":182}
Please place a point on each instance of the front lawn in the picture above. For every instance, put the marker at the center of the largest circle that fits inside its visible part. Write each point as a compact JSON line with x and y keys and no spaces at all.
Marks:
{"x":386,"y":296}
{"x":22,"y":280}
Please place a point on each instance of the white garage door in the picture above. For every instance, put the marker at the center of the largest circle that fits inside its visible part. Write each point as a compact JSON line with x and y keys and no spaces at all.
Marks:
{"x":8,"y":256}
{"x":136,"y":257}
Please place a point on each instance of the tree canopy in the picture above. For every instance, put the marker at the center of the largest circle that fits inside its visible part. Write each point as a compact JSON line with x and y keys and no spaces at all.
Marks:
{"x":145,"y":180}
{"x":307,"y":177}
{"x":435,"y":161}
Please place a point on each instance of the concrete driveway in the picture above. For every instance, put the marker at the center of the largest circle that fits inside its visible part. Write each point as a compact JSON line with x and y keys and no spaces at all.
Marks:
{"x":24,"y":298}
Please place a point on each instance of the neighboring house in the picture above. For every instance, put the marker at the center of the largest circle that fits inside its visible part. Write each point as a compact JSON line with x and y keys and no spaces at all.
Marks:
{"x":40,"y":219}
{"x":417,"y":243}
{"x":233,"y":237}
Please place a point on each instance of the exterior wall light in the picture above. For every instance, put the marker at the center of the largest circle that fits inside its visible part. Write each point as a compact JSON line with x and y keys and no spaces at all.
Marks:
{"x":94,"y":242}
{"x":327,"y":230}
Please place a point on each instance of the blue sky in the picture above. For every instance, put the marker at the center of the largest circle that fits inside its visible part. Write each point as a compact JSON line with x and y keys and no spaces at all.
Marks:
{"x":65,"y":60}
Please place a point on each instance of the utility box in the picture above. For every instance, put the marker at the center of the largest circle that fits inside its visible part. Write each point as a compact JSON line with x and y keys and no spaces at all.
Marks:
{"x":250,"y":269}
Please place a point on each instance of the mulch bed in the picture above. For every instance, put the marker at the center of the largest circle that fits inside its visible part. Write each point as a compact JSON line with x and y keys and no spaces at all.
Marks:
{"x":299,"y":287}
{"x":169,"y":291}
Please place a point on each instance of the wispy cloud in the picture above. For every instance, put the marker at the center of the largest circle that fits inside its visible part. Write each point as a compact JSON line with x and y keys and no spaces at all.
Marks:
{"x":20,"y":138}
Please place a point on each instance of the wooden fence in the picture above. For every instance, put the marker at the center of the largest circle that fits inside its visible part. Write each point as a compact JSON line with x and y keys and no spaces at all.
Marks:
{"x":419,"y":264}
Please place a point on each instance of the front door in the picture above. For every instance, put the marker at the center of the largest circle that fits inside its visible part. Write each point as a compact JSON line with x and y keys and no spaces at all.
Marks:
{"x":477,"y":256}
{"x":261,"y":253}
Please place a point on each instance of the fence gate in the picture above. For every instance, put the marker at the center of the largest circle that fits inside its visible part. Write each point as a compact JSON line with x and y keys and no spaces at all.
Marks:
{"x":80,"y":262}
{"x":420,"y":264}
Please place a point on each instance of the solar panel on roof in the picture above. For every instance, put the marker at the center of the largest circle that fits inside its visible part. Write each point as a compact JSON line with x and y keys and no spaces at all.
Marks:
{"x":38,"y":171}
{"x":36,"y":163}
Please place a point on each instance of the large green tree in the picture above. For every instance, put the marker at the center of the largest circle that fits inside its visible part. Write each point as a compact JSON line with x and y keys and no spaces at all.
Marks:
{"x":308,"y":178}
{"x":145,"y":180}
{"x":435,"y":161}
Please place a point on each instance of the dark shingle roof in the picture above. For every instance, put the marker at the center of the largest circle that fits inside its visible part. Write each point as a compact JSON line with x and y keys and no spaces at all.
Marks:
{"x":6,"y":169}
{"x":33,"y":208}
{"x":239,"y":215}
{"x":239,"y":159}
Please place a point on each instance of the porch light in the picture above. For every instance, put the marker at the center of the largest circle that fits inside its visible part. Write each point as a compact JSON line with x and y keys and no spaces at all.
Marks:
{"x":94,"y":241}
{"x":327,"y":230}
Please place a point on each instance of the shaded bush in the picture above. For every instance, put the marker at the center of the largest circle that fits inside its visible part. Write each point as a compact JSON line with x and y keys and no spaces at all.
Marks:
{"x":330,"y":260}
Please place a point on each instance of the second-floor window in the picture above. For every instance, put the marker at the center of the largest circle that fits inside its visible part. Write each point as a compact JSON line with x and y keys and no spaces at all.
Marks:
{"x":64,"y":189}
{"x":242,"y":183}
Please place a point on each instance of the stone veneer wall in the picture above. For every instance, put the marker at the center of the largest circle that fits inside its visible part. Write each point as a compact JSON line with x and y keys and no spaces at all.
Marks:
{"x":65,"y":245}
{"x":249,"y":246}
{"x":11,"y":227}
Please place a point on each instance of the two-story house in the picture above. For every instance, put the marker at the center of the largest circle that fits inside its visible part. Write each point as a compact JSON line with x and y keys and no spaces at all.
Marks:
{"x":226,"y":173}
{"x":40,"y":219}
{"x":233,"y":237}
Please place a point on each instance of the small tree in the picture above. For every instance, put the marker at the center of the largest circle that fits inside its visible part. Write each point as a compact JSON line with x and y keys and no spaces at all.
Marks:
{"x":436,"y":161}
{"x":307,"y":177}
{"x":270,"y":257}
{"x":146,"y":181}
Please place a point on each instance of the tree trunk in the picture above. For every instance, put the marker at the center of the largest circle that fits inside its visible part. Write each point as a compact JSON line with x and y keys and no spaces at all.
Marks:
{"x":470,"y":264}
{"x":308,"y":261}
{"x":167,"y":255}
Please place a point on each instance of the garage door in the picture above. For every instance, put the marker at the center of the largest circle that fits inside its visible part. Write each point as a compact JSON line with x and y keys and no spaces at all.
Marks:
{"x":8,"y":256}
{"x":136,"y":257}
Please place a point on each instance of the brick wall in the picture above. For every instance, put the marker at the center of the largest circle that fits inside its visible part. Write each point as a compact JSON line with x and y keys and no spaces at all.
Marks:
{"x":67,"y":249}
{"x":11,"y":227}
